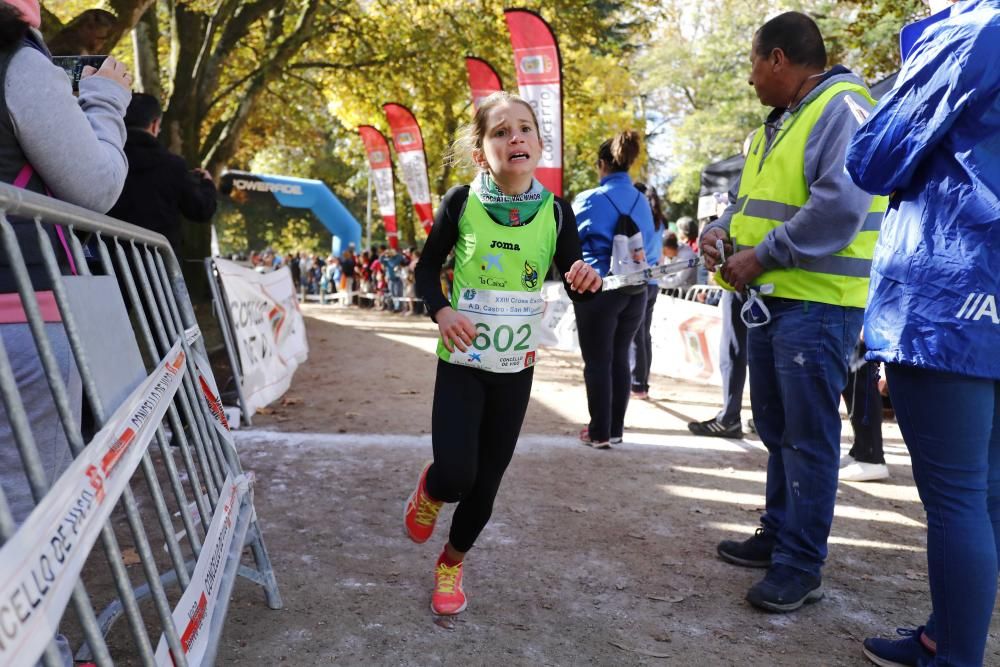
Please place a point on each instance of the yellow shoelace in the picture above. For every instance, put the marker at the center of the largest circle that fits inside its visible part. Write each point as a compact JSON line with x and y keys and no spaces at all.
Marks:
{"x":447,"y":577}
{"x":427,"y":510}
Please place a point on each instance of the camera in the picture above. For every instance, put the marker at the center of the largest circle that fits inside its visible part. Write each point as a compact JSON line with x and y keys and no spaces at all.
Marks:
{"x":73,"y":66}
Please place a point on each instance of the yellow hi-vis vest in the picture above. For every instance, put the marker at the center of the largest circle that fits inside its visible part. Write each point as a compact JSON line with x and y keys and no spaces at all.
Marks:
{"x":774,"y":188}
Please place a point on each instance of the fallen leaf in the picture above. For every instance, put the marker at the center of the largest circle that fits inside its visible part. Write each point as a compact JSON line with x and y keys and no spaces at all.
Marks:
{"x":446,"y":622}
{"x":265,"y":411}
{"x":131,"y":557}
{"x":291,"y":400}
{"x":639,"y":651}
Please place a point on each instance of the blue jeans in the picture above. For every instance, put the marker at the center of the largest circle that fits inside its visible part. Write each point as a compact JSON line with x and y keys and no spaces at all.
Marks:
{"x":732,"y":358}
{"x":396,"y":291}
{"x":643,"y":343}
{"x":798,"y":367}
{"x":951,"y":425}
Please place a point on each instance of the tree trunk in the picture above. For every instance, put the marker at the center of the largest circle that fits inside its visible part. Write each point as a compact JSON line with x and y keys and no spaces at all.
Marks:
{"x":96,"y":31}
{"x":184,"y":118}
{"x":407,"y":225}
{"x":145,"y":37}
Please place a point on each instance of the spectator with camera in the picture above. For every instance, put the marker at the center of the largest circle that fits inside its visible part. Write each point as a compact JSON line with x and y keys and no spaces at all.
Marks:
{"x":70,"y":148}
{"x":160,"y":187}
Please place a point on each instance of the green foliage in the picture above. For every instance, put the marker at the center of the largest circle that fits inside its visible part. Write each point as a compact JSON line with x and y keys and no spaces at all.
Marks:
{"x":287,"y":83}
{"x":694,"y":72}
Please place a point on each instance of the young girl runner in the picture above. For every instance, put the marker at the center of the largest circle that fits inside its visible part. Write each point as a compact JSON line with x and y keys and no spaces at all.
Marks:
{"x":505,"y":229}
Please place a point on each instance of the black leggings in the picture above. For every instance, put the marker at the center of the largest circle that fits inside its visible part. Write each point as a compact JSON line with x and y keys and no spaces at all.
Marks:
{"x":864,"y":406}
{"x":475,"y":421}
{"x":606,"y":325}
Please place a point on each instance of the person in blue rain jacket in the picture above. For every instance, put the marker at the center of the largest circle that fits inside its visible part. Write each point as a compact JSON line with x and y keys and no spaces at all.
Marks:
{"x":933,"y":144}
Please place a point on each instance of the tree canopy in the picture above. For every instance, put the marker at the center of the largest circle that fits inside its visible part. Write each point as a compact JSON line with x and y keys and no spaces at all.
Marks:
{"x":695,"y":68}
{"x":281,"y":86}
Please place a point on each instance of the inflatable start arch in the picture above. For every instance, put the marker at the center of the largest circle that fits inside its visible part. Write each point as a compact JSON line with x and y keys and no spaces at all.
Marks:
{"x":300,"y":193}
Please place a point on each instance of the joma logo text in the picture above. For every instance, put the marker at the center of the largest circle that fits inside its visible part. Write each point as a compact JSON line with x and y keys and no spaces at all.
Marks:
{"x":503,"y":245}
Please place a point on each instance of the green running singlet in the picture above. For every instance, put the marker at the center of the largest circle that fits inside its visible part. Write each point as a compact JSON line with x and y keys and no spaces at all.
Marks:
{"x":498,"y":282}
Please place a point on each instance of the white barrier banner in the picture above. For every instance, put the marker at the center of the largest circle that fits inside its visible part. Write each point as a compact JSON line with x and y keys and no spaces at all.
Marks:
{"x":686,"y":337}
{"x":41,"y":563}
{"x":686,"y":334}
{"x":206,"y":382}
{"x":193,"y":613}
{"x":559,"y":320}
{"x":269,"y":330}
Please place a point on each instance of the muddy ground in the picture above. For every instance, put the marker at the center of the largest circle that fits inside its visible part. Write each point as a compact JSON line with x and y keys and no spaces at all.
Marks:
{"x":592,"y":557}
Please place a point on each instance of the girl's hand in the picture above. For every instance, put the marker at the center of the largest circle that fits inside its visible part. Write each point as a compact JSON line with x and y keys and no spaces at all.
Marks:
{"x":582,"y":277}
{"x":110,"y":69}
{"x":456,"y":329}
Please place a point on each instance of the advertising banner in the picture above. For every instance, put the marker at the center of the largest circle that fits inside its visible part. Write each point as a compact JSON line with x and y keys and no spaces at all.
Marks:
{"x":193,"y":613}
{"x":686,"y":334}
{"x":483,"y":80}
{"x":686,"y":337}
{"x":558,"y":328}
{"x":41,"y":563}
{"x":412,"y":161}
{"x":380,"y":163}
{"x":539,"y":80}
{"x":269,"y":330}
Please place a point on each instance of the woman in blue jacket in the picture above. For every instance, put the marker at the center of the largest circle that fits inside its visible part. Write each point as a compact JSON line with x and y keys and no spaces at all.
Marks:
{"x":933,"y":143}
{"x":607,"y":323}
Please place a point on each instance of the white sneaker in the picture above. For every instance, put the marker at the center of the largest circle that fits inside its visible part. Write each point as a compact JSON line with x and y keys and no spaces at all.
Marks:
{"x":846,"y":460}
{"x":864,"y":472}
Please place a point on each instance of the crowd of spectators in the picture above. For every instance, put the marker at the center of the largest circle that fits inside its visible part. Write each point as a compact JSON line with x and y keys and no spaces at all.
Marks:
{"x":380,"y":277}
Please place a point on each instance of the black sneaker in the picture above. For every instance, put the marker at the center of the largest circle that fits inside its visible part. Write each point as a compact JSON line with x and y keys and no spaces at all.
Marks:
{"x":785,"y":588}
{"x":752,"y":552}
{"x":716,"y":429}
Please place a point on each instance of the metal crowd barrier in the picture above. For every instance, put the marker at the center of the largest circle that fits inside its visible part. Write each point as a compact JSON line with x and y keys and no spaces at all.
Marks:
{"x":691,"y":294}
{"x":192,"y":536}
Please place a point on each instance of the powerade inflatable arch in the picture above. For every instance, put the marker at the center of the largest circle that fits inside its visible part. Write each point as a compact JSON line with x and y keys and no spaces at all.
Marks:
{"x":300,"y":193}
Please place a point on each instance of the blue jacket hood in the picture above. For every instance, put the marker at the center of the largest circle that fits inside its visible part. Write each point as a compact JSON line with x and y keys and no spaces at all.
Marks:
{"x":933,"y":143}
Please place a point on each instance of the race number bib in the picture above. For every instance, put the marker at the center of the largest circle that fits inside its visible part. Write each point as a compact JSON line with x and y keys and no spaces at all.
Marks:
{"x":507,"y":329}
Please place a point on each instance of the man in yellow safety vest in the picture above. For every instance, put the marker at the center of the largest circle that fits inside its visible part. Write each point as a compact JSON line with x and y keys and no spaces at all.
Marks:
{"x":798,"y":241}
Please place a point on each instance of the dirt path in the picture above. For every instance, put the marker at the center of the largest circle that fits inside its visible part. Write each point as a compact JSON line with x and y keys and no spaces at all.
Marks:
{"x":592,"y":557}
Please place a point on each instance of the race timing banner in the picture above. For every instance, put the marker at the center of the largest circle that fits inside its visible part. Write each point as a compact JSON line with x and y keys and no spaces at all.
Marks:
{"x":412,"y":161}
{"x":483,"y":80}
{"x":380,"y":163}
{"x":539,"y":80}
{"x":269,"y":330}
{"x":41,"y":563}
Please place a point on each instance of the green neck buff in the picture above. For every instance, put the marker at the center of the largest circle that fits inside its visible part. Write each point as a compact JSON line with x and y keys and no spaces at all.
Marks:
{"x":508,"y":210}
